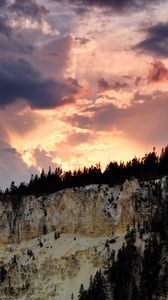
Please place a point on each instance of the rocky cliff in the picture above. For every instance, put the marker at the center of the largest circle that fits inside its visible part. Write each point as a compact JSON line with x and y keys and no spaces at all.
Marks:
{"x":92,"y":210}
{"x":36,"y":264}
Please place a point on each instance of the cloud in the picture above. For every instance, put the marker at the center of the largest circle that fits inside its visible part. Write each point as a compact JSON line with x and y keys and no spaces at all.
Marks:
{"x":3,"y":134}
{"x":19,"y":80}
{"x":79,"y":120}
{"x":104,"y":85}
{"x":4,"y":27}
{"x":14,"y":45}
{"x":77,"y":138}
{"x":55,"y":56}
{"x":19,"y":119}
{"x":158,"y":72}
{"x":82,"y":40}
{"x":2,"y":3}
{"x":34,"y":26}
{"x":138,"y":80}
{"x":12,"y":41}
{"x":21,"y":27}
{"x":156,"y":42}
{"x":28,"y":8}
{"x":43,"y":159}
{"x":119,"y":6}
{"x":144,"y":121}
{"x":12,"y":167}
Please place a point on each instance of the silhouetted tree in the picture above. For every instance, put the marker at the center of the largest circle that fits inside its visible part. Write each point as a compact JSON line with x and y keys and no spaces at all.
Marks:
{"x":149,"y":167}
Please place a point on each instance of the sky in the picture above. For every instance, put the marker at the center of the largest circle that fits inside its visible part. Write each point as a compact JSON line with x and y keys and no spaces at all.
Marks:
{"x":81,"y":82}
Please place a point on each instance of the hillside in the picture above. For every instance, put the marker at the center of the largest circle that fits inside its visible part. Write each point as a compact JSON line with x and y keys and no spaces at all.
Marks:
{"x":53,"y":243}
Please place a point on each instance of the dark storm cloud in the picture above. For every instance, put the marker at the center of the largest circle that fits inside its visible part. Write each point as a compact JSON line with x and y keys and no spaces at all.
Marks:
{"x":28,"y":8}
{"x":19,"y":80}
{"x":115,"y":5}
{"x":156,"y":40}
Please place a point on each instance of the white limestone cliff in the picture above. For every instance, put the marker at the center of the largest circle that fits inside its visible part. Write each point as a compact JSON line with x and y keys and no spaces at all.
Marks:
{"x":41,"y":267}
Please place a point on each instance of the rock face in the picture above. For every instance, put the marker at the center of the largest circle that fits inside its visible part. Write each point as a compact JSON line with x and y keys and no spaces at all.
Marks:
{"x":46,"y":268}
{"x":92,"y":210}
{"x":36,"y":264}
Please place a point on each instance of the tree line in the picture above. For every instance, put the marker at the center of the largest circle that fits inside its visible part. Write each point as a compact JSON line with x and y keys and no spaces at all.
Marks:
{"x":151,"y":166}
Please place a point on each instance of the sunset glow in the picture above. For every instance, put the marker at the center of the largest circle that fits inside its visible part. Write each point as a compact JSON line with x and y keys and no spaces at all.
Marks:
{"x":81,"y":82}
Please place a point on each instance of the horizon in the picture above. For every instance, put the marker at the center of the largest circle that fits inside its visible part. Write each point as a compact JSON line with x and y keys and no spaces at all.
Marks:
{"x":159,"y":165}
